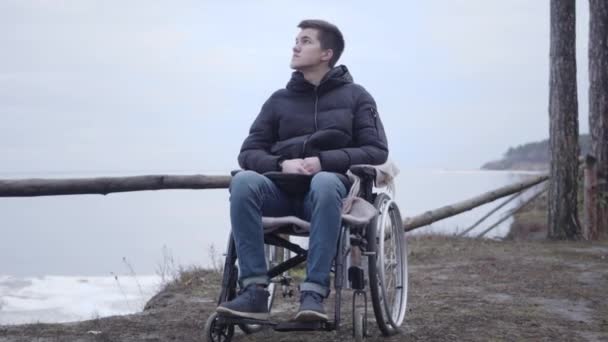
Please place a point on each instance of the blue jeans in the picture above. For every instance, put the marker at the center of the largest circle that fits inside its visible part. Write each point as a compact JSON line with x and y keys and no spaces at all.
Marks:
{"x":252,"y":196}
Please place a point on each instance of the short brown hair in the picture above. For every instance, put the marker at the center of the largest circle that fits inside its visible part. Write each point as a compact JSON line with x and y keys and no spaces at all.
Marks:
{"x":329,"y":36}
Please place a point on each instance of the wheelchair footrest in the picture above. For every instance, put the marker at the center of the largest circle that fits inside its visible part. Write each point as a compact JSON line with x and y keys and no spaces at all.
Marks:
{"x":242,"y":320}
{"x":304,"y":326}
{"x":280,"y":326}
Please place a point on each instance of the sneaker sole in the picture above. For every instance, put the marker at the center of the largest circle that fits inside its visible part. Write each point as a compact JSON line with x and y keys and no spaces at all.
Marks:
{"x":262,"y":316}
{"x":309,"y":315}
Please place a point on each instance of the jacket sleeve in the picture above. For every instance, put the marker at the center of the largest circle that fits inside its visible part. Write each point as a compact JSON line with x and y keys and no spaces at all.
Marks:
{"x":369,"y":140}
{"x":255,"y":152}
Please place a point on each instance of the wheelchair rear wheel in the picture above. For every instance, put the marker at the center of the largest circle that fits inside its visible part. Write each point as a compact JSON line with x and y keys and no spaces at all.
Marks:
{"x":388,"y":267}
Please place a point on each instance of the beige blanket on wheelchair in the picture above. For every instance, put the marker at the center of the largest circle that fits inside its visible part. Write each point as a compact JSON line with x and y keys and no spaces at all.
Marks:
{"x":356,"y":211}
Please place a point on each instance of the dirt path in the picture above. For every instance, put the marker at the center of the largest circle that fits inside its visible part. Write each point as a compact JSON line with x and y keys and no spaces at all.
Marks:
{"x":460,"y":290}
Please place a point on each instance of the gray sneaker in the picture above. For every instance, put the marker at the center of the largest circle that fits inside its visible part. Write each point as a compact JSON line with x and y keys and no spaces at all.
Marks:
{"x":251,"y":302}
{"x":311,"y":307}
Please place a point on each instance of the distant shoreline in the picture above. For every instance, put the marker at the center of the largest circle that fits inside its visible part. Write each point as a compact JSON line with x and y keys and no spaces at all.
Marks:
{"x":534,"y":156}
{"x":510,"y":165}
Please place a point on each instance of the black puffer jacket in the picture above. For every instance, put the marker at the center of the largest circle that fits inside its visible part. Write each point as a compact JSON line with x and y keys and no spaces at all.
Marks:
{"x":336,"y":121}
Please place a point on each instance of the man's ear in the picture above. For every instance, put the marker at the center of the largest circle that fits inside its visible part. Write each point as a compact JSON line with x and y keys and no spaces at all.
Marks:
{"x":326,"y":55}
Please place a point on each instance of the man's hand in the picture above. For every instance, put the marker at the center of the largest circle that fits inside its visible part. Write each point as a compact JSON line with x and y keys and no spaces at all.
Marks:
{"x":294,"y":166}
{"x":312,"y":165}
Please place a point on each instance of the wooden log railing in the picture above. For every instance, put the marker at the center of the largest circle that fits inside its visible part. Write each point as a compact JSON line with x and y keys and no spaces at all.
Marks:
{"x":513,"y":211}
{"x":466,"y":205}
{"x":107,"y":185}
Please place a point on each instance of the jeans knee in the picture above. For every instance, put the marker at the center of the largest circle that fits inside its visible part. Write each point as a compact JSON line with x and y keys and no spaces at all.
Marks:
{"x":325,"y":179}
{"x":244,"y":183}
{"x":327,"y":183}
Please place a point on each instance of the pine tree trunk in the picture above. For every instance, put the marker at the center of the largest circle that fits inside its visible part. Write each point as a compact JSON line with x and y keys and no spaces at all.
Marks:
{"x":598,"y":99}
{"x":563,"y":118}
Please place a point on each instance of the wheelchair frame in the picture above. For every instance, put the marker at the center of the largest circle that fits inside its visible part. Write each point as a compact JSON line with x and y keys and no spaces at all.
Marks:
{"x":368,"y":241}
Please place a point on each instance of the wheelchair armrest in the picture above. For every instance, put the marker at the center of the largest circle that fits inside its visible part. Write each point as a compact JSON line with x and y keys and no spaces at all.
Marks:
{"x":366,"y":173}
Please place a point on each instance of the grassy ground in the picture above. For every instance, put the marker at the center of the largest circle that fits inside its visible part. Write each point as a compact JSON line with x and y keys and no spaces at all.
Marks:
{"x":460,"y":290}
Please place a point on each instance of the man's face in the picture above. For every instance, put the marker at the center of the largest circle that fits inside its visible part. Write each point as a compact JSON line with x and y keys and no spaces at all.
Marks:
{"x":307,"y":51}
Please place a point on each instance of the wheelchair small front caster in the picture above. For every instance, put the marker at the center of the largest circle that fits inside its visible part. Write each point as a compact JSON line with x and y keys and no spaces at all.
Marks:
{"x":216,"y":331}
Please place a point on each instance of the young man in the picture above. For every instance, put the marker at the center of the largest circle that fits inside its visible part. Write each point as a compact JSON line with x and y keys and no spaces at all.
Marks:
{"x":319,"y":125}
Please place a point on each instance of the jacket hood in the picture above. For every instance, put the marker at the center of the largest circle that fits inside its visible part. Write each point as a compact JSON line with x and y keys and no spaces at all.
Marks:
{"x":336,"y":77}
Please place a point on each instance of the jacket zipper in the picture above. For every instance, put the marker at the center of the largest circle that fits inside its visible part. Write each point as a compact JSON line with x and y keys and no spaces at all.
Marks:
{"x":316,"y":126}
{"x":316,"y":107}
{"x":304,"y":147}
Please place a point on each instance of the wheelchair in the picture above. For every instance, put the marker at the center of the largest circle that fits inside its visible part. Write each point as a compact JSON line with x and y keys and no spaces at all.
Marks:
{"x":378,"y":246}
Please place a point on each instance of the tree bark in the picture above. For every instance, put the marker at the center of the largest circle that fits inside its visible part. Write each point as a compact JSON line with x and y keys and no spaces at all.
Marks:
{"x":598,"y":100}
{"x":563,"y":118}
{"x":590,"y":211}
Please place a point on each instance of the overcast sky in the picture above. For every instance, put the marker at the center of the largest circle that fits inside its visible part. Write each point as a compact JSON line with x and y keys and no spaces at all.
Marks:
{"x":162,"y":86}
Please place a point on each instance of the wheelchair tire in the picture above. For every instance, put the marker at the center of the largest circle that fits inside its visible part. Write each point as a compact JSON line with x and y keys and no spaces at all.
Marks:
{"x":358,"y":328}
{"x":388,"y":267}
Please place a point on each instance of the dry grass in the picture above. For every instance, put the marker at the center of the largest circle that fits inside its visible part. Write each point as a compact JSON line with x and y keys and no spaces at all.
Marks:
{"x":460,"y":290}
